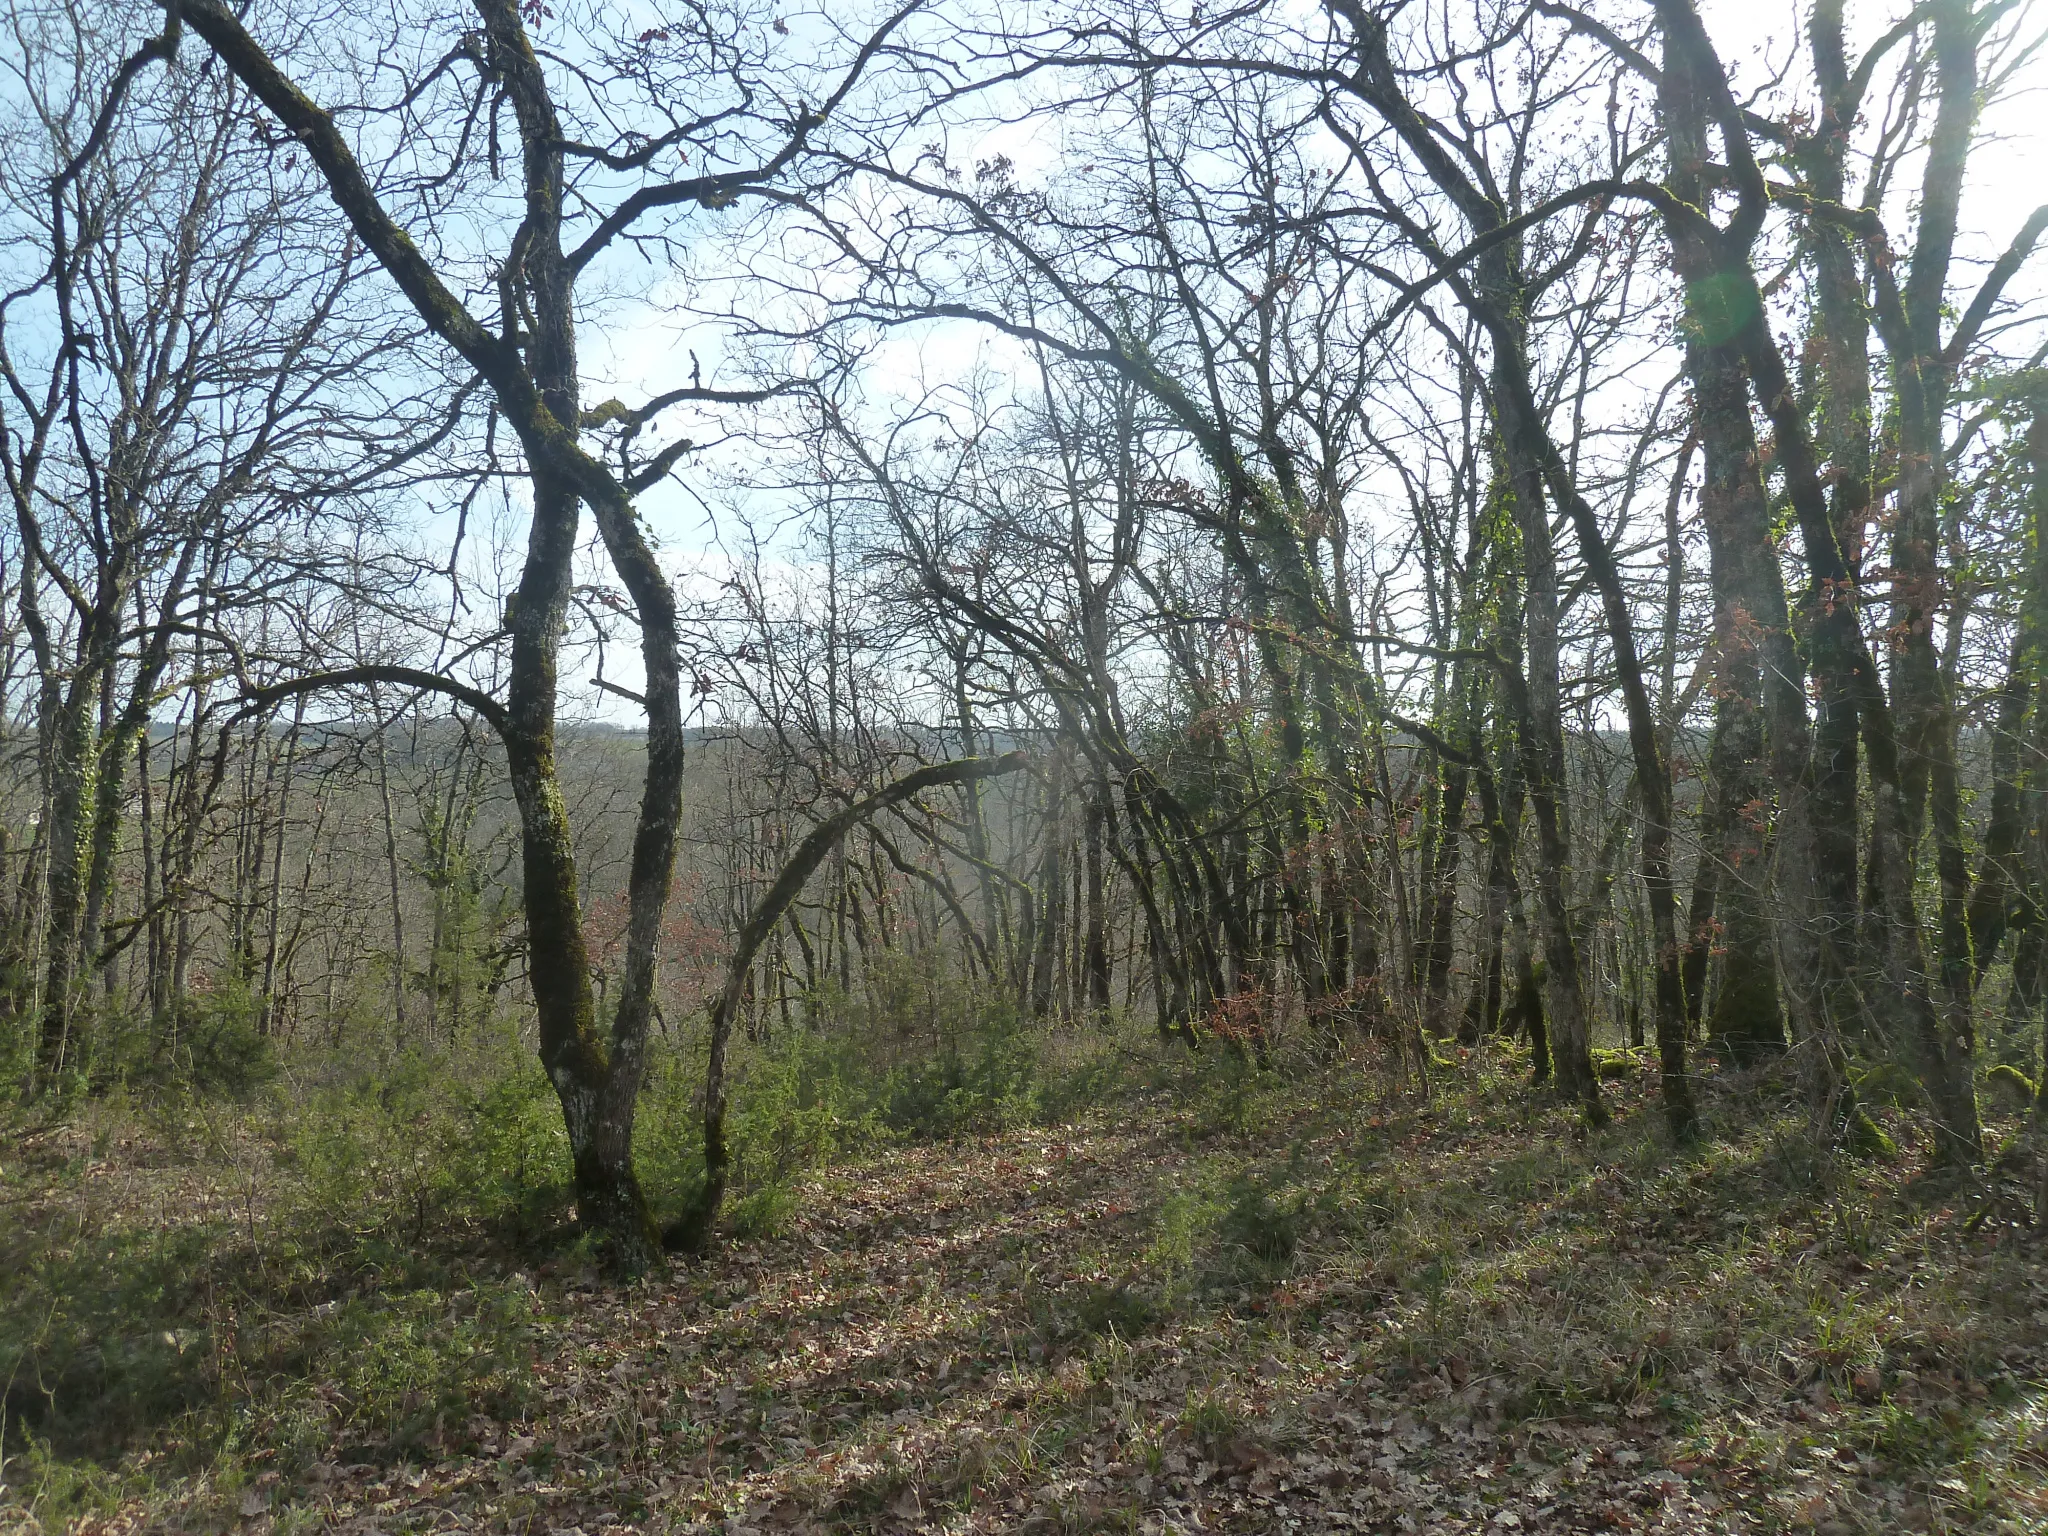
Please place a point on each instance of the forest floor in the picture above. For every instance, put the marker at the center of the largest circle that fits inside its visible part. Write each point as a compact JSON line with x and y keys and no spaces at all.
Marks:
{"x":1258,"y":1305}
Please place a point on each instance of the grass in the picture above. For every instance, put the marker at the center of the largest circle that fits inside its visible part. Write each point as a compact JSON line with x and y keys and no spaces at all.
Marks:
{"x":1218,"y":1297}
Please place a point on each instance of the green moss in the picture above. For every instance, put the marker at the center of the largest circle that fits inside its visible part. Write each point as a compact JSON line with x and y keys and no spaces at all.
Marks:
{"x":1865,"y":1138}
{"x":2012,"y":1085}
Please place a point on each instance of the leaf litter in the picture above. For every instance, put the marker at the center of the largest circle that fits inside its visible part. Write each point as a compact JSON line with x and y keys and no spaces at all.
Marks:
{"x":1455,"y":1316}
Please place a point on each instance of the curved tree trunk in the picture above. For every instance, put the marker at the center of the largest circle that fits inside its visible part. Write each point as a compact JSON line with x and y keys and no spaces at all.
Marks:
{"x":691,"y":1232}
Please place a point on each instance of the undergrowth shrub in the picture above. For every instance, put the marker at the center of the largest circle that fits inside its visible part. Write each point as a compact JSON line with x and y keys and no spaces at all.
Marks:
{"x":1229,"y":1092}
{"x":1261,"y":1227}
{"x":933,"y":1055}
{"x":290,"y":1310}
{"x":915,"y":1055}
{"x":986,"y":1081}
{"x":322,"y":1291}
{"x":122,"y":1353}
{"x":384,"y":1374}
{"x":443,"y":1144}
{"x":95,"y":1335}
{"x":211,"y":1044}
{"x":218,"y":1045}
{"x":1237,"y":1228}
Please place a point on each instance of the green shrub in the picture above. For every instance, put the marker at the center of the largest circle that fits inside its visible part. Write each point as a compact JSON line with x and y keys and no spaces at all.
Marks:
{"x":219,"y":1044}
{"x":794,"y":1105}
{"x":174,"y":1341}
{"x":1230,"y":1093}
{"x":383,"y":1373}
{"x":1261,"y":1227}
{"x":1119,"y":1308}
{"x":100,"y":1336}
{"x":1243,"y":1228}
{"x":510,"y":1158}
{"x":434,"y":1144}
{"x":917,"y":1056}
{"x":987,"y":1081}
{"x":212,"y":1043}
{"x":762,"y":1212}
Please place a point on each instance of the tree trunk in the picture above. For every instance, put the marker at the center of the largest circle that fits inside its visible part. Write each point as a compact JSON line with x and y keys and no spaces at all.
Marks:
{"x":391,"y":875}
{"x":1097,"y":940}
{"x":70,"y":820}
{"x":1734,"y":842}
{"x":1841,"y":347}
{"x":1543,"y":770}
{"x":1749,"y":586}
{"x":691,"y":1232}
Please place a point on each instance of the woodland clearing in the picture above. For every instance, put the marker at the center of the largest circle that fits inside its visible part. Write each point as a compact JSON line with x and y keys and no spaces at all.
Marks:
{"x":917,"y":766}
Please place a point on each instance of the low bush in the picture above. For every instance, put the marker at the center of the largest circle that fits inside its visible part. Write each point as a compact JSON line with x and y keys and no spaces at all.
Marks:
{"x":917,"y":1056}
{"x":449,"y":1143}
{"x":212,"y":1043}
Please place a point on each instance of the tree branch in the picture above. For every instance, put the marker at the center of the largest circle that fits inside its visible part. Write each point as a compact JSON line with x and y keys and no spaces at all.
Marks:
{"x":1993,"y":287}
{"x":256,"y":700}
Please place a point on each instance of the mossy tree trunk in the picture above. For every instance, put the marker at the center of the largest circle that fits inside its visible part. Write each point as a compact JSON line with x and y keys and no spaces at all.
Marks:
{"x":1840,"y":343}
{"x":1727,"y":297}
{"x":533,"y":379}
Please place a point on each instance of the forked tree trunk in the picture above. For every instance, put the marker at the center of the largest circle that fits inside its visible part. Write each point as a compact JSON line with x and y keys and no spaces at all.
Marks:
{"x":1753,"y":617}
{"x":536,"y":390}
{"x":1838,"y":652}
